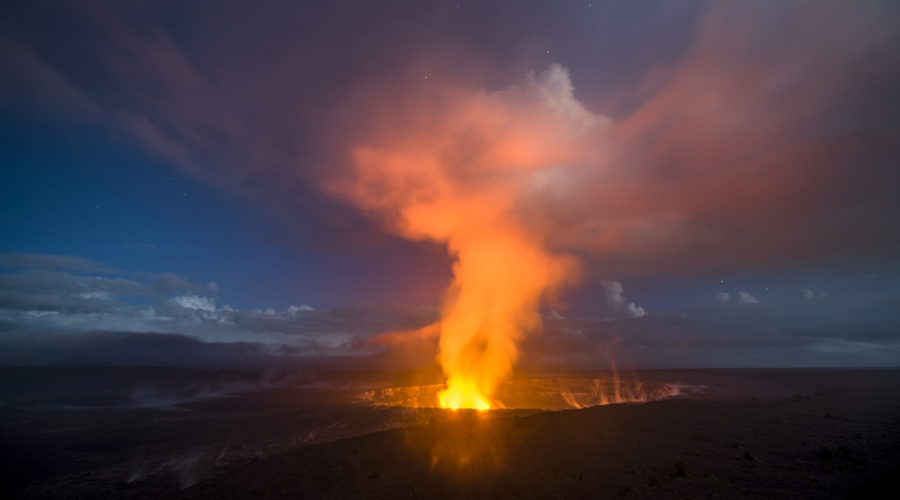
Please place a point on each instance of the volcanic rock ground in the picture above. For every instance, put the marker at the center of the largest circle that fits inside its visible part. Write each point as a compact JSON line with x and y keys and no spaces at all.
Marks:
{"x":748,"y":434}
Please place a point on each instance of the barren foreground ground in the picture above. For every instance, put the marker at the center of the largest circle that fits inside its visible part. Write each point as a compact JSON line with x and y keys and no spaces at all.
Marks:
{"x":739,"y":434}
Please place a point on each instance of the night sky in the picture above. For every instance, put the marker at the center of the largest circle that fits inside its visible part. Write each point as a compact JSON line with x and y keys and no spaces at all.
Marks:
{"x":172,"y":189}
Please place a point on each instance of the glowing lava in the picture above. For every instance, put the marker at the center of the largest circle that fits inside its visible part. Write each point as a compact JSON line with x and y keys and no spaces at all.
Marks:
{"x":462,"y":394}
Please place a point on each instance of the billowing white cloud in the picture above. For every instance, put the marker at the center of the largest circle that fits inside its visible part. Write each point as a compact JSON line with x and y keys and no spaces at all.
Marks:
{"x":615,"y":293}
{"x":746,"y":298}
{"x":615,"y":296}
{"x":195,"y":302}
{"x":634,"y":311}
{"x":740,"y":298}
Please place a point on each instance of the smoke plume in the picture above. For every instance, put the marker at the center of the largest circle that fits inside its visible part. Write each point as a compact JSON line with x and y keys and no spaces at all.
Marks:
{"x":462,"y":167}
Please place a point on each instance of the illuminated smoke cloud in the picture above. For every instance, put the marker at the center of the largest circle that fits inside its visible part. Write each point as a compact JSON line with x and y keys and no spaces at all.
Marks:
{"x":465,"y":167}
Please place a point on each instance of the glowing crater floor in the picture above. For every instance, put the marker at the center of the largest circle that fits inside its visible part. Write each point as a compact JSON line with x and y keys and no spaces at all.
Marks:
{"x":538,"y":394}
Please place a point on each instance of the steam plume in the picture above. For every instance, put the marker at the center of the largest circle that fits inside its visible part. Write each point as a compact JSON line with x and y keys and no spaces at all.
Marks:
{"x":461,"y":167}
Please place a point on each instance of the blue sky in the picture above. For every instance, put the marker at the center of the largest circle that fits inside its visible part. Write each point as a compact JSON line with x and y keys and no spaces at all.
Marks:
{"x":160,"y":162}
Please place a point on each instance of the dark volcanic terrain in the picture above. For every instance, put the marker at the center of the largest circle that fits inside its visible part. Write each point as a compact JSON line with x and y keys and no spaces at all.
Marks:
{"x":730,"y":434}
{"x":838,"y":441}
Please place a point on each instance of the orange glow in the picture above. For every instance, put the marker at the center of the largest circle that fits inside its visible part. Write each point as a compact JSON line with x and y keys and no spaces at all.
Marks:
{"x":499,"y":277}
{"x":459,"y":167}
{"x":462,"y":394}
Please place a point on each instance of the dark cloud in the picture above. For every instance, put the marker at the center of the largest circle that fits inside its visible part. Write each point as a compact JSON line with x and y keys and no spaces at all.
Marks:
{"x":769,"y":142}
{"x":27,"y":77}
{"x":52,"y":263}
{"x":66,"y":284}
{"x":783,"y":334}
{"x":57,"y":318}
{"x":770,"y":135}
{"x":171,"y":283}
{"x":371,"y":319}
{"x":238,"y":99}
{"x":64,"y":292}
{"x":743,"y":133}
{"x":104,"y":348}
